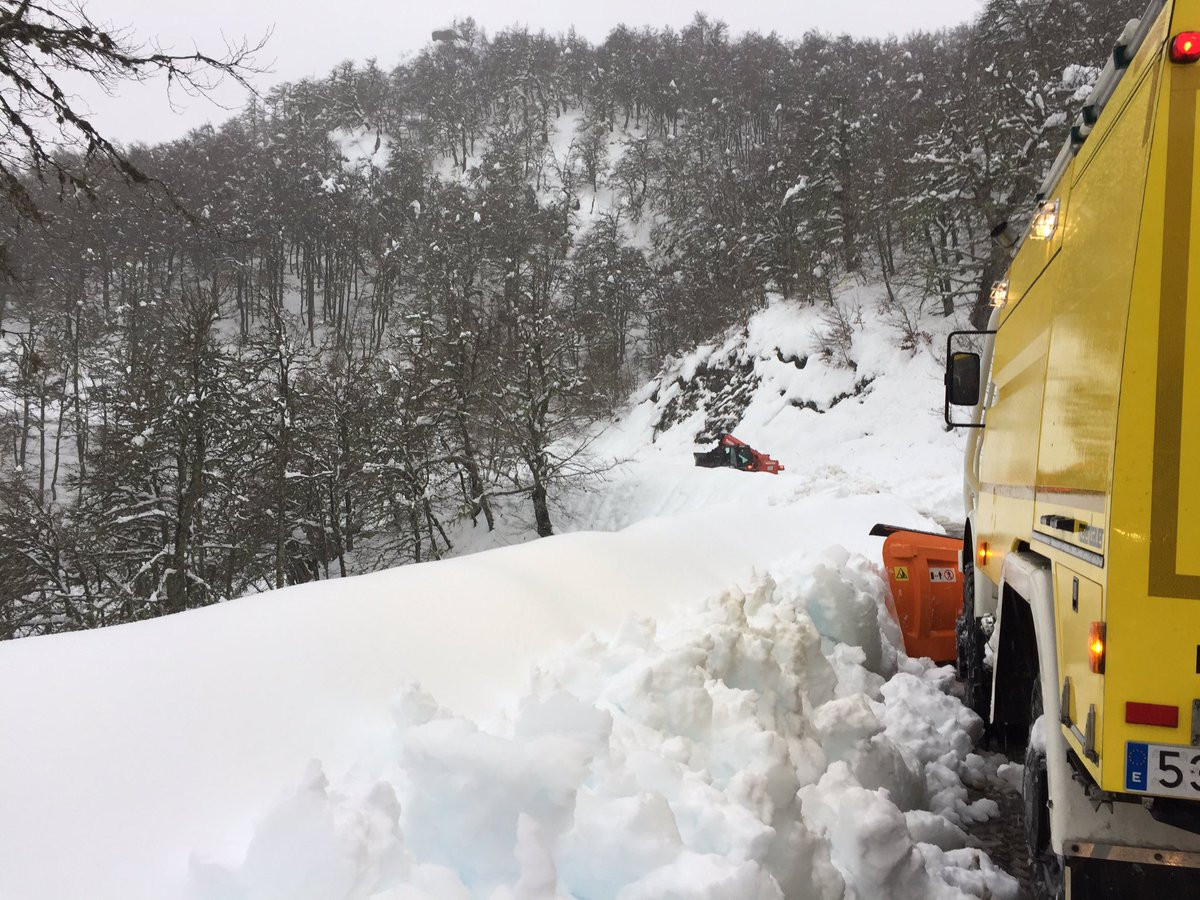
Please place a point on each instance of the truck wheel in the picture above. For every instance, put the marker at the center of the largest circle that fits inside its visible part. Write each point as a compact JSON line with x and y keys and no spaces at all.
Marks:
{"x":1045,"y":866}
{"x":975,"y":674}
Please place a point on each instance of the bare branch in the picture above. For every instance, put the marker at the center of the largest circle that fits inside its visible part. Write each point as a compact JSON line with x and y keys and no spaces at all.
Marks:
{"x":39,"y":42}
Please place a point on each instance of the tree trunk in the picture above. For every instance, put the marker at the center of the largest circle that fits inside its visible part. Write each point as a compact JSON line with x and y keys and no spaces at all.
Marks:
{"x":479,"y":498}
{"x":282,"y":454}
{"x":190,"y":473}
{"x":541,"y":512}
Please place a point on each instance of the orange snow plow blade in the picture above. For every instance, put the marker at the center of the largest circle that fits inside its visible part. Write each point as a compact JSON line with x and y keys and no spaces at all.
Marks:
{"x":926,"y":586}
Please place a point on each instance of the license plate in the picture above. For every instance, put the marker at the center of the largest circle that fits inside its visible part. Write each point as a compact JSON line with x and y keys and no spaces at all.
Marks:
{"x":942,"y":576}
{"x":1163,"y":769}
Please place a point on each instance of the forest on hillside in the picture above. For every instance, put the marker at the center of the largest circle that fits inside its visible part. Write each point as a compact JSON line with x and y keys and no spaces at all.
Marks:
{"x":372,"y":306}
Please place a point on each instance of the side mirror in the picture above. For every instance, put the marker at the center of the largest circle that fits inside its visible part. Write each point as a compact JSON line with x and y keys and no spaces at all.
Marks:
{"x":962,"y":378}
{"x":964,"y":375}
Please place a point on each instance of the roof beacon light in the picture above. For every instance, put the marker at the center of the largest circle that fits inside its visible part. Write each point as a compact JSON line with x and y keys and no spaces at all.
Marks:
{"x":1185,"y":47}
{"x":1045,"y":222}
{"x":999,"y":293}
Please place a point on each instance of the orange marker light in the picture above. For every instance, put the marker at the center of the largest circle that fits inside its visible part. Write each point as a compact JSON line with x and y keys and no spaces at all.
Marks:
{"x":984,"y":553}
{"x":1096,"y":647}
{"x":1185,"y":47}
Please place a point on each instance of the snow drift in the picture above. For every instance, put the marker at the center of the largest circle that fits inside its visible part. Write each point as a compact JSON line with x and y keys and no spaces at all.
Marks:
{"x":752,"y":749}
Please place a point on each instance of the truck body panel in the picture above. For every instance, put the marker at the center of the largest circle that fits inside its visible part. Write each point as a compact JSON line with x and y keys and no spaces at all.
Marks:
{"x":1089,"y":458}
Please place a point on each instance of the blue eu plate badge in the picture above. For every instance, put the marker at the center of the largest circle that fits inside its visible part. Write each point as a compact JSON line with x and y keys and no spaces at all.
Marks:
{"x":1137,"y":759}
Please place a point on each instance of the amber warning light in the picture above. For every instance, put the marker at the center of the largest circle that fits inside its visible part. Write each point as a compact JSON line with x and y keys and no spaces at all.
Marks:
{"x":1096,"y":647}
{"x":1185,"y":47}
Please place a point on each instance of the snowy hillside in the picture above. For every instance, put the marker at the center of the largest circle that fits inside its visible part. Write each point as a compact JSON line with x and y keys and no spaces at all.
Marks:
{"x":707,"y":702}
{"x":872,"y":429}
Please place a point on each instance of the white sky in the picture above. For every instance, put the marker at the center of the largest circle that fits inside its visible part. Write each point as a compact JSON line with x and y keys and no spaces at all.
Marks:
{"x":310,"y":37}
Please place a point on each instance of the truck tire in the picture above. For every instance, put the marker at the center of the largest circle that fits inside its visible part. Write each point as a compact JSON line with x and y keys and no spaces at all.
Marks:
{"x":1045,"y":866}
{"x":973,"y":671}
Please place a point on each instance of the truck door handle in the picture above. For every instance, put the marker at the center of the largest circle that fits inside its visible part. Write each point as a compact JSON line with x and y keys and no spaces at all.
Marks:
{"x":1061,"y":523}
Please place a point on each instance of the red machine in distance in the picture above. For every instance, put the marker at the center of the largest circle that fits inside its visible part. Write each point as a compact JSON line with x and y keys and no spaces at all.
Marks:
{"x":735,"y":454}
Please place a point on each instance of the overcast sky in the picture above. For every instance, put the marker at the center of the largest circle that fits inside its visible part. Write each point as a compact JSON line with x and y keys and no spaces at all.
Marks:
{"x":309,"y":38}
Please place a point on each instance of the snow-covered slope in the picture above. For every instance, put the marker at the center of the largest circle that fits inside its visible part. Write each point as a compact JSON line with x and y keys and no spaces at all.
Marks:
{"x":872,"y":430}
{"x":708,"y":702}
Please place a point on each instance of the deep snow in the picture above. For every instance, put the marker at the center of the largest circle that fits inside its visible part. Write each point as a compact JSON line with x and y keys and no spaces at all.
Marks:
{"x":708,"y":702}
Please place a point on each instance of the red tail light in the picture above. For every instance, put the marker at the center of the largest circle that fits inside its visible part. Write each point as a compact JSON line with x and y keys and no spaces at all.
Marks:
{"x":1096,"y":647}
{"x":1185,"y":47}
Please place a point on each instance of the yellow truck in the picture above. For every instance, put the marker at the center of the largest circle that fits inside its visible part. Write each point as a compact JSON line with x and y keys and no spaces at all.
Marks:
{"x":1079,"y":637}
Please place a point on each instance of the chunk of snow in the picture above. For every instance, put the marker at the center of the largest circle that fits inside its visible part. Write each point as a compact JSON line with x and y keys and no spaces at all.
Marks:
{"x":795,"y":189}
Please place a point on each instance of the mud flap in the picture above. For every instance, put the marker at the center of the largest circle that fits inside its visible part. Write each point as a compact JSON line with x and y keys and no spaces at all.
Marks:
{"x":1100,"y":872}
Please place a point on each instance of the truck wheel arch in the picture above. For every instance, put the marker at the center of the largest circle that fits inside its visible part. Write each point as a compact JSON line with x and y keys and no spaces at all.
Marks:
{"x":1027,"y":585}
{"x":1024,"y":645}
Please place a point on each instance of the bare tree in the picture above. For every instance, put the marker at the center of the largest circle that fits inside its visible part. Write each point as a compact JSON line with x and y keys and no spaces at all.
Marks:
{"x":42,"y":42}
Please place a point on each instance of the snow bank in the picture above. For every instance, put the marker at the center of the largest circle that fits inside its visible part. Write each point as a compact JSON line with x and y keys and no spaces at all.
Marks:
{"x":177,"y":733}
{"x":744,"y":750}
{"x":767,"y":741}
